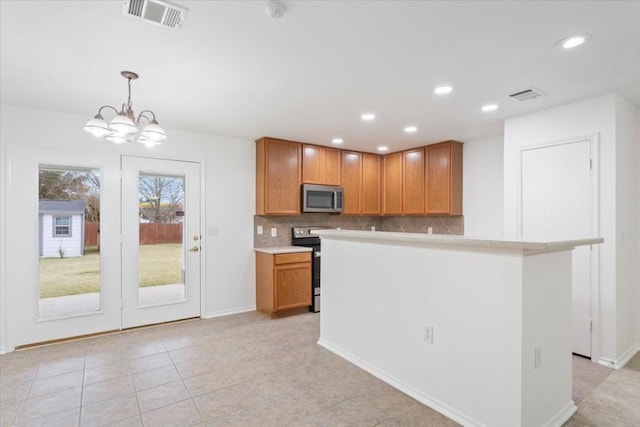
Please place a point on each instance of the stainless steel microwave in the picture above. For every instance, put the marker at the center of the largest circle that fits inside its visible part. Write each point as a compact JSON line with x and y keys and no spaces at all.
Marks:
{"x":322,"y":198}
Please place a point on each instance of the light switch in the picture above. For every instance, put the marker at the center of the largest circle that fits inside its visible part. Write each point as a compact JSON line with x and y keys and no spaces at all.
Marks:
{"x":212,"y":231}
{"x":259,"y":230}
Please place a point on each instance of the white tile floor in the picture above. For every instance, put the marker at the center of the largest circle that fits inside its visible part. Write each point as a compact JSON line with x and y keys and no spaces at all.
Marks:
{"x":240,"y":370}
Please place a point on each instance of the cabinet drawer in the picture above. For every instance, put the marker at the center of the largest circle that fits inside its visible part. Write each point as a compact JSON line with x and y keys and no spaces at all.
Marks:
{"x":293,"y":257}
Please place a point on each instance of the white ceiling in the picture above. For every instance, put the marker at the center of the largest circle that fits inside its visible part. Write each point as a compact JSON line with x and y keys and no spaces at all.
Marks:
{"x":232,"y":70}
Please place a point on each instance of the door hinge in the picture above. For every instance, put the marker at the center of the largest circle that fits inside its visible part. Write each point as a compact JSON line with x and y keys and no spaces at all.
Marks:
{"x":590,"y":163}
{"x":590,"y":326}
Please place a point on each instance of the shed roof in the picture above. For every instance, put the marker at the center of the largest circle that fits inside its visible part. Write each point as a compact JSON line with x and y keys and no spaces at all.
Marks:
{"x":62,"y":206}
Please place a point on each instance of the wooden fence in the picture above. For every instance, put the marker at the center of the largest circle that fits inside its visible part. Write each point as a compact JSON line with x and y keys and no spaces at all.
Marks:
{"x":150,"y":233}
{"x":91,"y":234}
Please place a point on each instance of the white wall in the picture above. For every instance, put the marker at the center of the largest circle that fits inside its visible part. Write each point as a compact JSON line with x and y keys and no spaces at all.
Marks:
{"x":587,"y":117}
{"x":628,"y":281}
{"x":229,"y":183}
{"x":483,"y":187}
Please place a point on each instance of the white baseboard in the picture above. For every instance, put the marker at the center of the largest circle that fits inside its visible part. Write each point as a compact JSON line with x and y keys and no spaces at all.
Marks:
{"x":405,"y":388}
{"x":626,"y":356}
{"x":5,"y":350}
{"x":229,"y":312}
{"x":563,"y":415}
{"x":622,"y":360}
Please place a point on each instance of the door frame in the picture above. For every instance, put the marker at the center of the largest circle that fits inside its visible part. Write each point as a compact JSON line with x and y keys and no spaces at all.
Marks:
{"x":594,"y":144}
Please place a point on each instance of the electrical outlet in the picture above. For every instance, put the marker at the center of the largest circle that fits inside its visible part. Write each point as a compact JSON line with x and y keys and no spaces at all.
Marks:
{"x":274,"y":232}
{"x":429,"y":230}
{"x":537,"y":358}
{"x":373,"y":228}
{"x":259,"y":229}
{"x":428,"y":334}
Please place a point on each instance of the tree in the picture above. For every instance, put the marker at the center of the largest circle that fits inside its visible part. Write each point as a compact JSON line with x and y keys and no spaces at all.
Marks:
{"x":57,"y":184}
{"x":160,"y":197}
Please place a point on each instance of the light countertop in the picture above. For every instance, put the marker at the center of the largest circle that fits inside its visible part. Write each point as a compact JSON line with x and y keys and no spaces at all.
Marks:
{"x":283,"y":249}
{"x":528,"y":245}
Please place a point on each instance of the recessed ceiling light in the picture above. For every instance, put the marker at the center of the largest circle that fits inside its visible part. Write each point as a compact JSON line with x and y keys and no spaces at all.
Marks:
{"x":410,"y":129}
{"x":441,"y":90}
{"x":368,"y":117}
{"x":383,"y":148}
{"x":489,"y":107}
{"x":337,"y":140}
{"x":573,"y":41}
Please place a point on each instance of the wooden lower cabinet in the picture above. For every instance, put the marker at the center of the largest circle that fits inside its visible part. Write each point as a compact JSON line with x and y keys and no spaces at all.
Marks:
{"x":283,"y":283}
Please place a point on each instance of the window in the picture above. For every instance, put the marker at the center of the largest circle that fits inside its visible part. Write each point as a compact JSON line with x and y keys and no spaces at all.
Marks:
{"x":61,"y":226}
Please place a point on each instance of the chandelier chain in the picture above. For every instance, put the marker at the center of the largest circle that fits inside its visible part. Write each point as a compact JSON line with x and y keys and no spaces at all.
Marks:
{"x":129,"y":104}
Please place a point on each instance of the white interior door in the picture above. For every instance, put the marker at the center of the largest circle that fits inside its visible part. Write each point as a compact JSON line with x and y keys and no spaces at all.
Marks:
{"x":557,"y":203}
{"x":160,"y":240}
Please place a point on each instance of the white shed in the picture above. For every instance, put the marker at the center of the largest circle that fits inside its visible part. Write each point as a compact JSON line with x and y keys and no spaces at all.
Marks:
{"x":61,"y":228}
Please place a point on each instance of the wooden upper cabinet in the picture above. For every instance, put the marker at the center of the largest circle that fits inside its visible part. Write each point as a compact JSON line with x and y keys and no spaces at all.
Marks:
{"x":413,"y":182}
{"x":320,"y":165}
{"x":278,"y":176}
{"x":371,"y":184}
{"x":444,"y":178}
{"x":352,"y":182}
{"x":392,"y":184}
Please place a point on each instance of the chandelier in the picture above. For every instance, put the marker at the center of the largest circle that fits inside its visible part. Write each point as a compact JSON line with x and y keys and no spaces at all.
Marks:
{"x":125,"y":126}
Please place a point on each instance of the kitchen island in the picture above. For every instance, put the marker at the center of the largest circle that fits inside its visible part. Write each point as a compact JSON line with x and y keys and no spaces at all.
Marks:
{"x":478,"y":329}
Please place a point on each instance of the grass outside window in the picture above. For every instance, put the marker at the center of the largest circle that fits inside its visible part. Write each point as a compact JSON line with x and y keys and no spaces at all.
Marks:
{"x":159,"y":264}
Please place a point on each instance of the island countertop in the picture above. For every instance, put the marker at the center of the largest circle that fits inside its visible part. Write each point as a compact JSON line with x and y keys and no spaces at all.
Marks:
{"x":527,"y":246}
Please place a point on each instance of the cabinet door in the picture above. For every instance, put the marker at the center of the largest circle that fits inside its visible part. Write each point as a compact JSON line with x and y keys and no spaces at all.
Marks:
{"x":413,"y":182}
{"x":331,"y":166}
{"x":352,"y":182}
{"x":444,"y":178}
{"x":392,"y":184}
{"x":292,"y":286}
{"x":282,"y":177}
{"x":370,"y":184}
{"x":311,"y":164}
{"x":320,"y":165}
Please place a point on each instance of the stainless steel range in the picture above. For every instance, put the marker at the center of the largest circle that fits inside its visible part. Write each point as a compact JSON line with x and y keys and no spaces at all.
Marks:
{"x":301,"y":236}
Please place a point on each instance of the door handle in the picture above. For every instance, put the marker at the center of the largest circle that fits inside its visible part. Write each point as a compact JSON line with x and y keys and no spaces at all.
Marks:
{"x":194,"y":249}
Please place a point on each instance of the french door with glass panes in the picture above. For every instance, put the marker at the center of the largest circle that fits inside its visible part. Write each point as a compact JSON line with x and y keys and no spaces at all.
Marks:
{"x":160,"y":240}
{"x":78,"y":262}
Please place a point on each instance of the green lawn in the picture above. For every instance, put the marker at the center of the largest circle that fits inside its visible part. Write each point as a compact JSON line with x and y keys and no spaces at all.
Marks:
{"x":159,"y":265}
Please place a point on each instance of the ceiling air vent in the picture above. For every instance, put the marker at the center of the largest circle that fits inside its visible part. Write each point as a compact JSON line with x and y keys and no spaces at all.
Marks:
{"x":156,"y":12}
{"x":527,"y":94}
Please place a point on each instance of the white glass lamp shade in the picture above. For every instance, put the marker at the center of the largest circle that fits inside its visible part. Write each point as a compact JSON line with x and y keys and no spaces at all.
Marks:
{"x":153,"y":132}
{"x":149,"y":143}
{"x":98,"y":127}
{"x":123,"y":124}
{"x":116,"y":138}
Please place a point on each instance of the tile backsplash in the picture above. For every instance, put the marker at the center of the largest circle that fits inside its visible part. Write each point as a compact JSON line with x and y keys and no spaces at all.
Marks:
{"x":408,"y":224}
